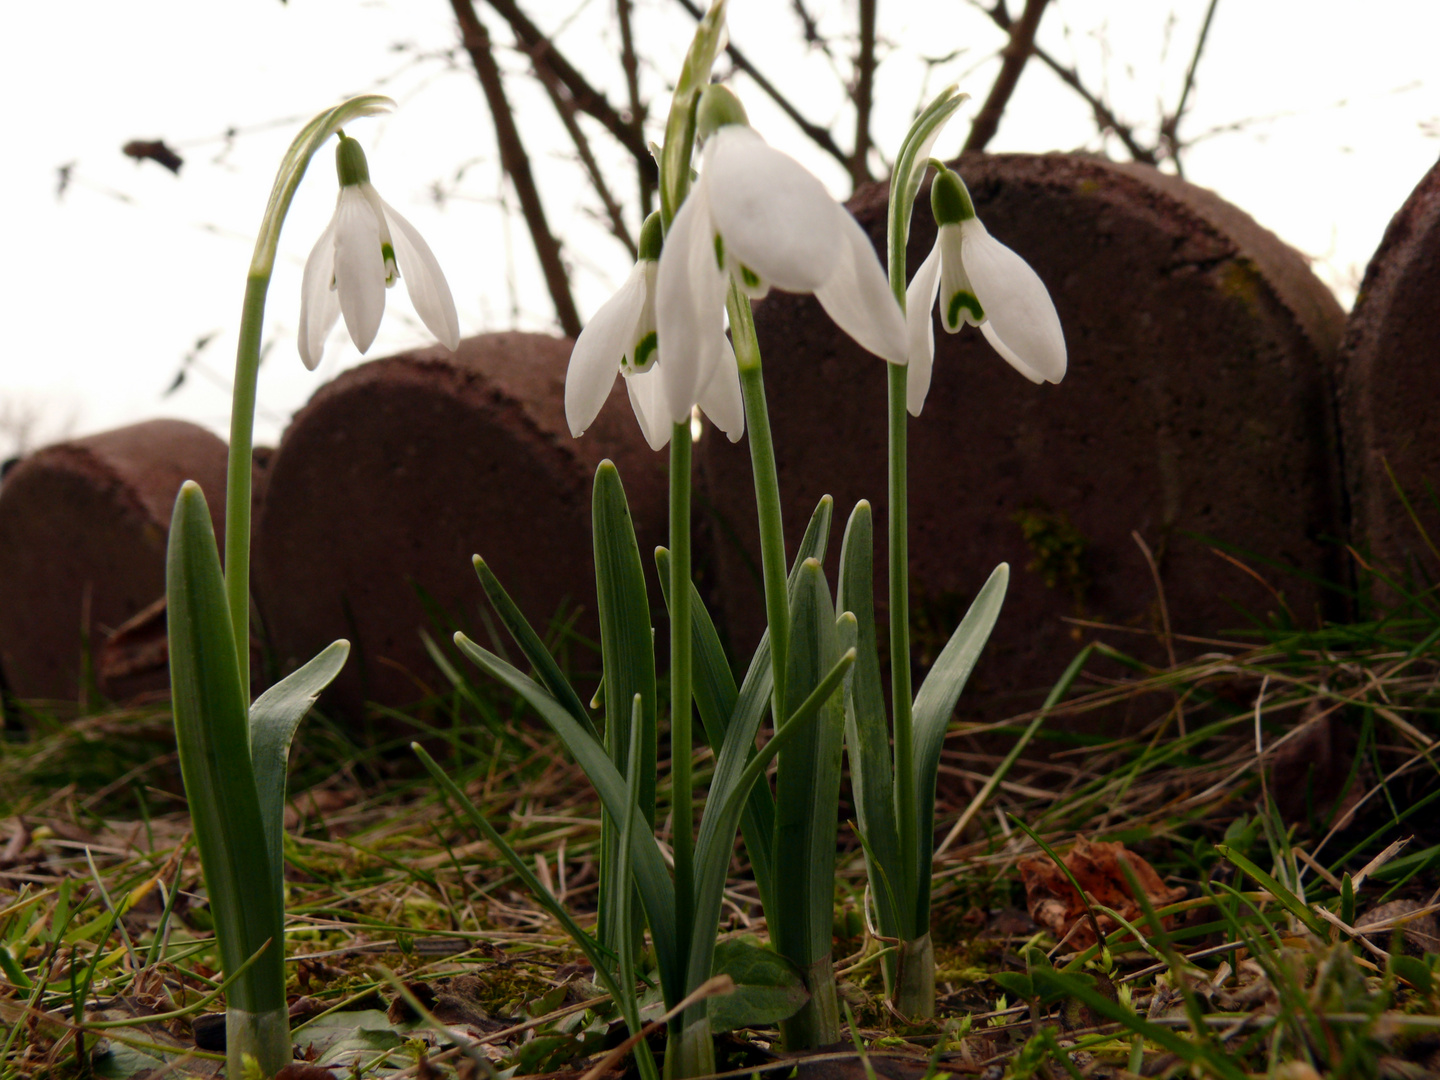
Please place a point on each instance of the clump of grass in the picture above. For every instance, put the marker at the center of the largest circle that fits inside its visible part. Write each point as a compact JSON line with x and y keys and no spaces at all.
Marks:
{"x":1262,"y":968}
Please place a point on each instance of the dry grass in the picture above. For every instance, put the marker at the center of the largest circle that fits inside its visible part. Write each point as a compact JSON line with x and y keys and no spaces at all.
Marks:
{"x":1309,"y":754}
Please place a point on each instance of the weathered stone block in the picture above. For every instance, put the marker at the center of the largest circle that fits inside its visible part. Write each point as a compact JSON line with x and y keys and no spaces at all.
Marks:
{"x":1196,"y":406}
{"x":396,"y":473}
{"x":83,"y":527}
{"x":1389,"y":388}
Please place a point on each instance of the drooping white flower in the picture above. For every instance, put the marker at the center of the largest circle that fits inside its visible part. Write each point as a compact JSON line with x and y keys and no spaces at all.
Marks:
{"x":981,"y":282}
{"x":363,"y":251}
{"x":624,"y":330}
{"x":756,"y":215}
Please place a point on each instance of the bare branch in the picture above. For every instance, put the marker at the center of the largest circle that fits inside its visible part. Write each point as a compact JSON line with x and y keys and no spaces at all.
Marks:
{"x":1016,"y":53}
{"x":638,"y":109}
{"x":587,"y":99}
{"x":1105,"y":120}
{"x":1170,"y":125}
{"x":864,"y":94}
{"x":565,"y":107}
{"x":476,"y":40}
{"x":817,"y":134}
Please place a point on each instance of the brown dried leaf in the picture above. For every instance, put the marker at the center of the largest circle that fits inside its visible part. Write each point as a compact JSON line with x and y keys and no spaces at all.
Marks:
{"x":1055,"y":905}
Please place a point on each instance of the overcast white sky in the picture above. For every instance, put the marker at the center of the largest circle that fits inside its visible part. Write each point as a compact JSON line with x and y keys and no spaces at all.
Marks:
{"x":1335,"y":104}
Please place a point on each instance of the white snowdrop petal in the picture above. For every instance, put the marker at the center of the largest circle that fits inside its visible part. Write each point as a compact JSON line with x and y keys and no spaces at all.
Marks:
{"x":319,"y":306}
{"x":595,"y":360}
{"x":1016,"y":302}
{"x":776,"y":217}
{"x":1008,"y":354}
{"x":689,"y":305}
{"x":920,"y":327}
{"x":857,"y":296}
{"x":954,"y":281}
{"x":721,"y":400}
{"x":647,"y":399}
{"x":424,"y":280}
{"x":359,"y":267}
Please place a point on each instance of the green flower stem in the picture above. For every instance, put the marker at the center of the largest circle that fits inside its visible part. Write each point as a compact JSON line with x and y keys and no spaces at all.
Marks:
{"x":682,"y":806}
{"x":900,"y":691}
{"x":914,"y":994}
{"x":767,"y":492}
{"x":247,"y":359}
{"x":238,"y":477}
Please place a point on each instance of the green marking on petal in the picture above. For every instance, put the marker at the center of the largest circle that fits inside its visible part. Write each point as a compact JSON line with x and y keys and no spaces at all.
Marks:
{"x":749,"y":277}
{"x":963,"y":301}
{"x":645,"y":350}
{"x":719,"y":251}
{"x":392,"y":269}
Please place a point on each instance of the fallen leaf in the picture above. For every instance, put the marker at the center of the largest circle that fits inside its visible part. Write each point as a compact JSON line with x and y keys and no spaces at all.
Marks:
{"x":1054,"y":904}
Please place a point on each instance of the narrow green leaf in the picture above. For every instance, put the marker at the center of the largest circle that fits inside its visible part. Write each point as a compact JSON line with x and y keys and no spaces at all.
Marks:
{"x":599,"y":960}
{"x":212,"y":736}
{"x":1051,"y":980}
{"x":721,"y":817}
{"x":807,"y":782}
{"x":551,"y":677}
{"x":721,"y":706}
{"x":627,"y":650}
{"x":657,"y":891}
{"x":867,"y":730}
{"x":273,"y":719}
{"x":768,"y":988}
{"x":1413,"y":970}
{"x":680,"y":124}
{"x":1287,"y":899}
{"x":934,"y":705}
{"x":1347,"y":901}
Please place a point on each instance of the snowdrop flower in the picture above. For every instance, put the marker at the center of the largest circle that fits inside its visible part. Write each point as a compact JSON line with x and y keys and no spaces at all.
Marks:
{"x":982,"y":282}
{"x":624,"y":329}
{"x":757,"y":216}
{"x":361,"y":253}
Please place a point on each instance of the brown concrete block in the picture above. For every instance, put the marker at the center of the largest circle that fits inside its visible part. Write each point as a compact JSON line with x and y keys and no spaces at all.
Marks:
{"x":1197,"y":402}
{"x":396,"y":473}
{"x":1389,"y":388}
{"x":83,"y":527}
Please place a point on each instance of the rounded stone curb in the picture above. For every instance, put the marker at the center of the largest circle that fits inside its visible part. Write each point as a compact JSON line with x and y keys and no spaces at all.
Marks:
{"x":83,"y":528}
{"x":1198,"y":401}
{"x":1389,"y":388}
{"x":397,"y":472}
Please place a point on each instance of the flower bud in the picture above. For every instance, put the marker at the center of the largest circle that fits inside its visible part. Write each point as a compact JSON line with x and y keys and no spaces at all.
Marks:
{"x":652,"y":237}
{"x":350,"y":162}
{"x":949,"y":199}
{"x":718,"y":107}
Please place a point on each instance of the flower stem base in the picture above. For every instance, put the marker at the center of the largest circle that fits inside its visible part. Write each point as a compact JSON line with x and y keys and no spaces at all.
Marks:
{"x":818,"y":1021}
{"x":914,"y":995}
{"x":264,"y":1038}
{"x":691,"y":1052}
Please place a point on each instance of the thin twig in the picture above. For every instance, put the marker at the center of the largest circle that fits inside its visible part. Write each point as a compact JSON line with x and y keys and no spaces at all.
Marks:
{"x":565,"y":107}
{"x":587,"y":99}
{"x":819,"y":135}
{"x":631,"y":66}
{"x":864,"y":94}
{"x":517,"y":164}
{"x":1170,"y":125}
{"x":1016,"y":53}
{"x":1105,"y":119}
